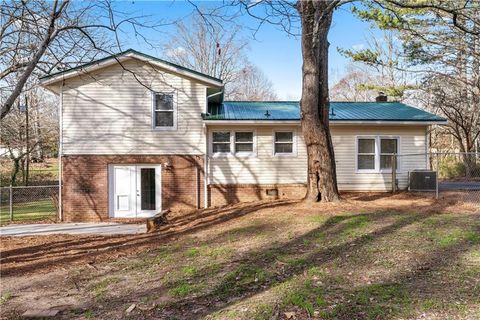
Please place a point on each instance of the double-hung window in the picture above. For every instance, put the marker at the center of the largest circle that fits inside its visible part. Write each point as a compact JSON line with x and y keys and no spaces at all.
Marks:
{"x":388,"y":148}
{"x":244,"y":142}
{"x":164,"y":111}
{"x":375,"y":154}
{"x":241,"y":143}
{"x":366,"y":154}
{"x":221,"y":142}
{"x":283,"y":143}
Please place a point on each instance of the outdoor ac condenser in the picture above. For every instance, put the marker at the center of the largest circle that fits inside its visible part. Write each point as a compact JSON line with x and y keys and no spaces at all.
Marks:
{"x":422,"y":180}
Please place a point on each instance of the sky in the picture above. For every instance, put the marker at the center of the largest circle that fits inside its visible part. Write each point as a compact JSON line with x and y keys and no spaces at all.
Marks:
{"x":275,"y":52}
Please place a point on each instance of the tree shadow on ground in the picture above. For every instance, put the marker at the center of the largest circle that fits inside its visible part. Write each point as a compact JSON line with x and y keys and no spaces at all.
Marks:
{"x":34,"y":258}
{"x":255,"y":272}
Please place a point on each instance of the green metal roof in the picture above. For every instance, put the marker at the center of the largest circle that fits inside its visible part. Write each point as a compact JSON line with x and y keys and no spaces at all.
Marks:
{"x":339,"y":111}
{"x":52,"y":75}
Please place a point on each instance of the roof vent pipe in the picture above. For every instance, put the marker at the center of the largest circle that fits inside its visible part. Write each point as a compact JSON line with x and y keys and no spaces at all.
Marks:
{"x":382,"y":97}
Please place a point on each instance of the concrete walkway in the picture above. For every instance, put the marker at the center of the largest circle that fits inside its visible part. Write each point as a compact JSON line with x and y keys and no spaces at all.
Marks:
{"x":103,"y":228}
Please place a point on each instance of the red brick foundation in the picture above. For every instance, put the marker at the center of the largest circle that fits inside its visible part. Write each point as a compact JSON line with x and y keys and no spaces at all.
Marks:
{"x":234,"y":193}
{"x":85,"y":183}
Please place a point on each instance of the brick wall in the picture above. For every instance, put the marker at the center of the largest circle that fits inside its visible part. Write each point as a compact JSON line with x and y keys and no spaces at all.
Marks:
{"x":85,"y":183}
{"x":233,"y":193}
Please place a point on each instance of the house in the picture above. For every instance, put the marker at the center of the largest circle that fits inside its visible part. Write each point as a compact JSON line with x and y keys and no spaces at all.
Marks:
{"x":140,"y":135}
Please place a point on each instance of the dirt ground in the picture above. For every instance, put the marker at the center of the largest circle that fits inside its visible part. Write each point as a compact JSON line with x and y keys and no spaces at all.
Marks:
{"x":371,"y":256}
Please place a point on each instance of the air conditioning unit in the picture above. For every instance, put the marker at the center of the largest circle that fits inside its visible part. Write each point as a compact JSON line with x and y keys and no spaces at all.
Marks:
{"x":422,"y":180}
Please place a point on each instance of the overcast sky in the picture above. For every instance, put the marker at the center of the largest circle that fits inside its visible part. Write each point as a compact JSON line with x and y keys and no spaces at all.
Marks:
{"x":276,"y":53}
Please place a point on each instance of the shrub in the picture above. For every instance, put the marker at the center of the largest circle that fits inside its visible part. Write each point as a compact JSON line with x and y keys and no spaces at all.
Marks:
{"x":450,"y":167}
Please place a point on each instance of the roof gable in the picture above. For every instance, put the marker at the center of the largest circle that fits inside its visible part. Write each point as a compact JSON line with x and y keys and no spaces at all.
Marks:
{"x":125,"y":55}
{"x":339,"y":111}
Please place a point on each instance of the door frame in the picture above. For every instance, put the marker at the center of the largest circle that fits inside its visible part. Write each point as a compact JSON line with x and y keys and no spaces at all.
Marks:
{"x":158,"y":189}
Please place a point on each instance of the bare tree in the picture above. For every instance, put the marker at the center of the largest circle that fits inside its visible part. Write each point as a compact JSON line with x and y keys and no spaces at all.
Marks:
{"x":220,"y":53}
{"x":40,"y":37}
{"x":351,"y":86}
{"x":22,"y":136}
{"x":251,"y":84}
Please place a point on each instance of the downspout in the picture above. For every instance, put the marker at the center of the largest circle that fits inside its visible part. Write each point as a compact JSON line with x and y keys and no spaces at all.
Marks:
{"x":60,"y":155}
{"x":427,"y":147}
{"x":205,"y":170}
{"x":206,"y":161}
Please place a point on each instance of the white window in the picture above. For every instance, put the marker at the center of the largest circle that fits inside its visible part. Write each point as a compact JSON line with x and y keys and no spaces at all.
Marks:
{"x":388,"y":148}
{"x":244,"y":142}
{"x":375,"y":154}
{"x":283,"y":143}
{"x":221,"y":142}
{"x":366,"y":154}
{"x":164,"y":115}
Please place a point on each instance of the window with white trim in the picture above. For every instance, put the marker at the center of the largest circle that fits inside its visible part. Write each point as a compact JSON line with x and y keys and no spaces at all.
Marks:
{"x":388,"y":148}
{"x":376,"y":154}
{"x":244,"y":142}
{"x":221,"y":142}
{"x":163,"y":110}
{"x":366,"y":154}
{"x":283,"y":142}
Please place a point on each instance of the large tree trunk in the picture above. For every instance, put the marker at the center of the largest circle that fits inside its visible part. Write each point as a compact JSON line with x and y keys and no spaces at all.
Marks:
{"x":316,"y":17}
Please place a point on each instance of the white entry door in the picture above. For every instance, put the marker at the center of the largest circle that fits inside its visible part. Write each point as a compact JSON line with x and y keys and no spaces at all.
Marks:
{"x":135,"y":191}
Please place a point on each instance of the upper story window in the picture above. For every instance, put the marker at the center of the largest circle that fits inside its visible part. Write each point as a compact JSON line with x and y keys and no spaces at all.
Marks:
{"x":164,"y":113}
{"x":284,"y":143}
{"x":375,"y":154}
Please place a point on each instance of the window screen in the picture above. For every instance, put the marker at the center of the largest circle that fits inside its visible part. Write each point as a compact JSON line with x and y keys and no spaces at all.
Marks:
{"x":164,"y":110}
{"x":221,"y":142}
{"x":243,"y":142}
{"x":366,"y":154}
{"x":283,"y":142}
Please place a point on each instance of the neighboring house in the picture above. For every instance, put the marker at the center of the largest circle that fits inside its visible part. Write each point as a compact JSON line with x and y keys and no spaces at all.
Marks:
{"x":140,"y":135}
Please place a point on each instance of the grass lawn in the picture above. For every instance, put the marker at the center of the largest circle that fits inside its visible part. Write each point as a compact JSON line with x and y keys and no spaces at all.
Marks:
{"x":399,"y":257}
{"x":35,"y":210}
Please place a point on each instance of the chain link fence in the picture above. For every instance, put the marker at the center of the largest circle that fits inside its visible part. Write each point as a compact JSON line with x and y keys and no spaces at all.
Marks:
{"x":28,"y":203}
{"x":454,"y":175}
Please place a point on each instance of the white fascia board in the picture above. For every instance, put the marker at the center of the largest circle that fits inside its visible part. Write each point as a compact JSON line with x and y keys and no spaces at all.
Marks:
{"x":386,"y":123}
{"x":250,"y":122}
{"x":336,"y":122}
{"x":113,"y":60}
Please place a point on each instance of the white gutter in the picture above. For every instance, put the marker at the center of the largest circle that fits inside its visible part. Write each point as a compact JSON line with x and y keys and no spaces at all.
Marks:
{"x":383,"y":122}
{"x":60,"y":154}
{"x":250,"y":122}
{"x":335,"y":122}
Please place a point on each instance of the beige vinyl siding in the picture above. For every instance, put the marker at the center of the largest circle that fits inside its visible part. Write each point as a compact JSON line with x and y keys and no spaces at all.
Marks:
{"x":264,"y":168}
{"x":412,"y":141}
{"x":110,"y":112}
